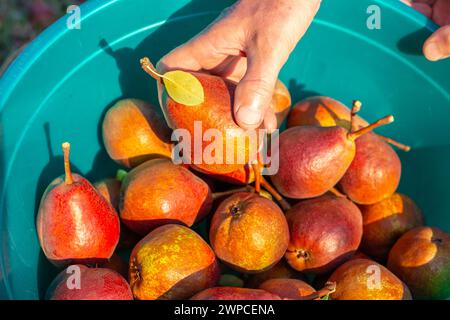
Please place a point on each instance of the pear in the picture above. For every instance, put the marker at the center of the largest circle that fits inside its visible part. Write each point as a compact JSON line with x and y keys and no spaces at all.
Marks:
{"x":312,"y":159}
{"x":79,"y":282}
{"x":386,"y":221}
{"x":75,"y":223}
{"x":172,"y":262}
{"x":234,"y":293}
{"x":324,"y":232}
{"x":159,"y":192}
{"x":421,"y":258}
{"x":249,"y":232}
{"x":364,"y":279}
{"x":133,"y":132}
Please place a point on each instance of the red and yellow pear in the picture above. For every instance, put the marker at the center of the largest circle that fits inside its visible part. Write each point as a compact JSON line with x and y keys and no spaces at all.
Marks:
{"x":375,"y":172}
{"x":386,"y":221}
{"x":421,"y":258}
{"x":75,"y":224}
{"x":159,"y":192}
{"x":172,"y":262}
{"x":324,"y":232}
{"x":312,"y":159}
{"x":79,"y":282}
{"x":234,"y":293}
{"x":249,"y":232}
{"x":364,"y":279}
{"x":292,"y":289}
{"x":133,"y":132}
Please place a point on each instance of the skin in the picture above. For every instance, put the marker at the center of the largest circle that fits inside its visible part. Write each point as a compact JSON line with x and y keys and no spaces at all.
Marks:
{"x":324,"y":232}
{"x":159,"y":192}
{"x":312,"y":160}
{"x":233,"y":293}
{"x":248,"y":43}
{"x":353,"y":279}
{"x":375,"y":172}
{"x":437,"y":46}
{"x":171,"y":263}
{"x":288,"y":288}
{"x":134,"y":133}
{"x":421,"y":258}
{"x":249,"y":232}
{"x":95,"y":284}
{"x":386,"y":221}
{"x":76,"y":224}
{"x":280,"y":270}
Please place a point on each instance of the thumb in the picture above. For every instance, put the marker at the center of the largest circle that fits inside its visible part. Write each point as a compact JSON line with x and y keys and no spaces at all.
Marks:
{"x":254,"y":93}
{"x":437,"y":46}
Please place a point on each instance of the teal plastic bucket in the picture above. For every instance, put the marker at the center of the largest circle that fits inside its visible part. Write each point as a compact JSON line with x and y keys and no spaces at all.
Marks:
{"x":60,"y":86}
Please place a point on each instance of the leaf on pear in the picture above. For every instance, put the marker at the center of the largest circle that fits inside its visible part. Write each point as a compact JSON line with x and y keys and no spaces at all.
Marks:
{"x":265,"y":194}
{"x":184,"y":88}
{"x":121,"y":174}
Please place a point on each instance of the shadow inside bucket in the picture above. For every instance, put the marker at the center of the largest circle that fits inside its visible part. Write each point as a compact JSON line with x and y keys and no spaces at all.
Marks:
{"x":412,"y":43}
{"x":299,"y":92}
{"x":434,"y":203}
{"x":102,"y":166}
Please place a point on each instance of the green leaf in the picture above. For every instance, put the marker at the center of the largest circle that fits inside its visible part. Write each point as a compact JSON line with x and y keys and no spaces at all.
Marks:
{"x":184,"y":88}
{"x":121,"y":174}
{"x":230,"y":280}
{"x":265,"y":194}
{"x":327,"y":297}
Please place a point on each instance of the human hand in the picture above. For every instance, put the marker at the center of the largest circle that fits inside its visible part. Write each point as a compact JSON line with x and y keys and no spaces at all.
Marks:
{"x":248,"y":43}
{"x":437,"y":46}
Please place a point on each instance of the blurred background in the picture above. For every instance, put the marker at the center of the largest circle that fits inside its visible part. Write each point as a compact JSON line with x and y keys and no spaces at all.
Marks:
{"x":22,"y":20}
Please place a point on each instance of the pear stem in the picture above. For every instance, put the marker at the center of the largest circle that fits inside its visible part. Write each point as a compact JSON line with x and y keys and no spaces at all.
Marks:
{"x":217,"y":195}
{"x":329,"y":288}
{"x":355,"y":109}
{"x":257,"y":172}
{"x":266,"y":185}
{"x":381,"y":122}
{"x":397,"y":144}
{"x":148,"y":67}
{"x":68,"y":174}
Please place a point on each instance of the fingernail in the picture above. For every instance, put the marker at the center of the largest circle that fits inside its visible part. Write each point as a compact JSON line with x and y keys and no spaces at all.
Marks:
{"x":433,"y":52}
{"x":249,"y":116}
